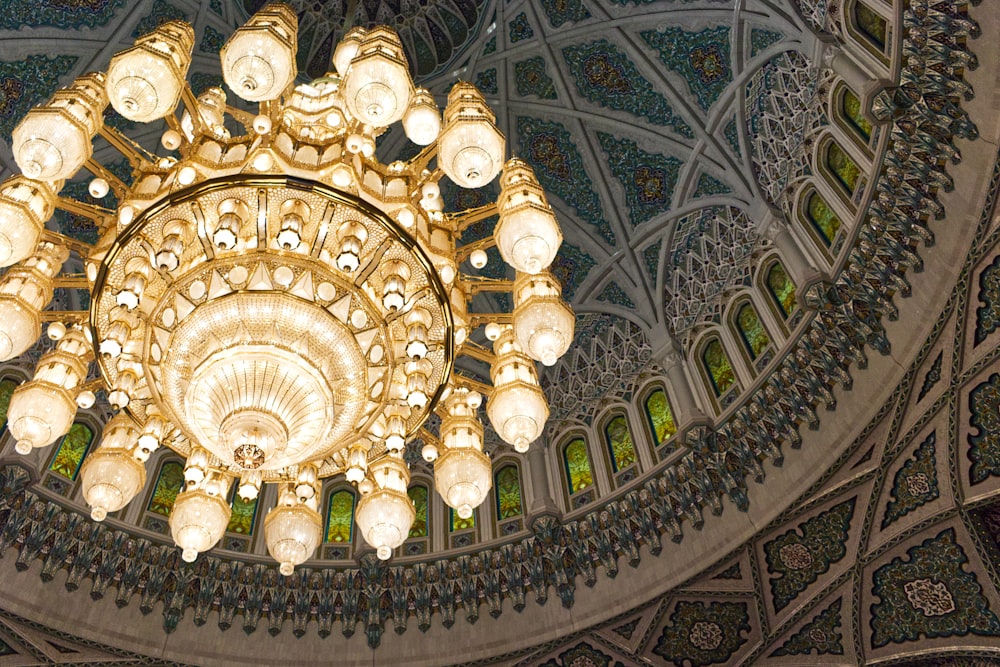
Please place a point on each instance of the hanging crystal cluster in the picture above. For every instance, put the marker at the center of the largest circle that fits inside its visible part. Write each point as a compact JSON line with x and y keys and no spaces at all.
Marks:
{"x":269,"y":299}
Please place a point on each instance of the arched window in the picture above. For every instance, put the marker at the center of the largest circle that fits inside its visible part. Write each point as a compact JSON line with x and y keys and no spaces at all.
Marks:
{"x":872,"y":26}
{"x":822,"y":218}
{"x":751,"y":330}
{"x":660,"y":416}
{"x":72,"y":449}
{"x":850,"y":108}
{"x":457,"y":523}
{"x":244,"y":515}
{"x":577,"y":463}
{"x":340,"y":517}
{"x":7,"y":387}
{"x":720,"y":371}
{"x":418,"y":496}
{"x":619,"y":440}
{"x":507,"y":487}
{"x":843,"y":168}
{"x":782,"y":289}
{"x":169,"y":483}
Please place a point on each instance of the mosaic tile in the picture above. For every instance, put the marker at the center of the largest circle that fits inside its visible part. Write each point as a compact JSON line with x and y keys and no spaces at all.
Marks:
{"x":760,"y":39}
{"x":216,"y":6}
{"x":486,"y":81}
{"x":929,"y":594}
{"x":701,"y":58}
{"x":651,"y":260}
{"x":212,"y":41}
{"x":491,"y":46}
{"x":915,"y":483}
{"x":201,"y":80}
{"x":162,"y":12}
{"x":984,"y":443}
{"x":564,"y":11}
{"x":627,"y":629}
{"x":733,"y":137}
{"x":26,"y":83}
{"x":519,"y":29}
{"x":796,"y":558}
{"x":531,"y":79}
{"x":647,"y":178}
{"x":570,"y":268}
{"x":19,"y":14}
{"x":708,"y":186}
{"x":583,"y":655}
{"x":613,"y":293}
{"x":605,"y":76}
{"x":548,"y":147}
{"x":932,"y":377}
{"x":988,"y":314}
{"x":702,"y":634}
{"x":821,"y":634}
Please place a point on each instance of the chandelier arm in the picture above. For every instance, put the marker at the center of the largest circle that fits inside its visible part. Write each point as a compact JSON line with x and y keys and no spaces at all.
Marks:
{"x":365,"y":273}
{"x":136,"y":154}
{"x":474,"y":351}
{"x":65,"y":316}
{"x":79,"y":247}
{"x":476,"y":284}
{"x":190,"y":102}
{"x":98,"y":214}
{"x":477,"y":320}
{"x":245,"y":118}
{"x":462,"y":253}
{"x":423,"y":158}
{"x":460,"y":380}
{"x":71,"y":281}
{"x":471,"y":216}
{"x":428,"y":437}
{"x":100,"y":171}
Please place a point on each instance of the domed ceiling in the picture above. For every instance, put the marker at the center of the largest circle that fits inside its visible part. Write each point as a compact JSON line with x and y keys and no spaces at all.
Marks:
{"x":677,"y":142}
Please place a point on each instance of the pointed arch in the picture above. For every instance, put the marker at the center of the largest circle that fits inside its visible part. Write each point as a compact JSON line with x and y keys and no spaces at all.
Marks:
{"x":73,"y":448}
{"x":340,"y":517}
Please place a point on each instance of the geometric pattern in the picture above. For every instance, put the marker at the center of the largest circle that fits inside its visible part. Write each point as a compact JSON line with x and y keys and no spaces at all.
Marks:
{"x":821,"y":634}
{"x":583,"y":655}
{"x":915,"y":482}
{"x":703,"y":634}
{"x":988,"y":314}
{"x":701,"y":58}
{"x":984,"y":417}
{"x":531,"y":79}
{"x":564,"y":11}
{"x":647,"y":178}
{"x":760,"y":39}
{"x":57,"y":13}
{"x":25,"y":83}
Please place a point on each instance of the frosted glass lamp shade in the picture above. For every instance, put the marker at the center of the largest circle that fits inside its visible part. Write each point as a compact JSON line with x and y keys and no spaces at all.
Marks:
{"x":39,"y":414}
{"x":292,"y":533}
{"x":518,"y":413}
{"x":385,"y":517}
{"x":347,"y":48}
{"x":110,"y":479}
{"x":470,"y":148}
{"x":198,"y":521}
{"x":377,"y":86}
{"x":462,"y":478}
{"x":527,"y":234}
{"x":25,"y":206}
{"x":543,"y":322}
{"x":144,"y":82}
{"x":20,"y":327}
{"x":258,"y":61}
{"x":422,"y":122}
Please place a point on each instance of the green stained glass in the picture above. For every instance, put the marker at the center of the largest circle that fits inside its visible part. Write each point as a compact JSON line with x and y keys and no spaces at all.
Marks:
{"x":619,"y":440}
{"x":752,"y":331}
{"x":168,"y":485}
{"x":782,"y":289}
{"x":577,"y":464}
{"x":822,"y":218}
{"x":340,"y":517}
{"x":418,"y":495}
{"x":241,"y":521}
{"x":661,"y":418}
{"x":71,"y":451}
{"x":719,"y":368}
{"x":851,"y":106}
{"x":7,"y":388}
{"x":843,"y":167}
{"x":458,"y":523}
{"x":871,"y":24}
{"x":508,"y":490}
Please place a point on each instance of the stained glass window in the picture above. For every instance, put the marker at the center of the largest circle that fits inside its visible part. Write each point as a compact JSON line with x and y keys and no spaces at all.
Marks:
{"x":418,"y":495}
{"x":7,"y":388}
{"x":577,"y":464}
{"x":719,"y":369}
{"x":871,"y":25}
{"x":458,"y":523}
{"x":661,"y":418}
{"x":168,"y":485}
{"x":244,"y":515}
{"x":851,"y":107}
{"x":71,"y":451}
{"x":340,"y":517}
{"x":843,"y":167}
{"x":751,"y":330}
{"x":822,"y":217}
{"x":619,"y":440}
{"x":507,"y":485}
{"x":782,"y":289}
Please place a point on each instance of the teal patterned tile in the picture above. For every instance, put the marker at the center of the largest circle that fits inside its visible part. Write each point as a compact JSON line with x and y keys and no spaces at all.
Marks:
{"x":733,"y":137}
{"x":162,"y":12}
{"x":491,"y":46}
{"x":486,"y":81}
{"x":932,"y":377}
{"x":570,"y":268}
{"x":915,"y":483}
{"x":647,"y":178}
{"x":651,"y":259}
{"x":614,"y":294}
{"x":760,"y":39}
{"x":531,"y":79}
{"x":708,"y":186}
{"x":71,"y":15}
{"x":821,"y":634}
{"x":564,"y":11}
{"x":519,"y":29}
{"x":216,"y":6}
{"x":988,"y":313}
{"x":701,"y":58}
{"x":605,"y":76}
{"x":202,"y":80}
{"x":583,"y":655}
{"x":548,"y":147}
{"x":26,"y":83}
{"x":984,"y":441}
{"x":702,"y":634}
{"x":212,"y":41}
{"x":931,"y":594}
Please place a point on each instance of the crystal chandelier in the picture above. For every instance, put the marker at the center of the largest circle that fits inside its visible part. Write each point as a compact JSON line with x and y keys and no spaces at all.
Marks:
{"x":268,"y":299}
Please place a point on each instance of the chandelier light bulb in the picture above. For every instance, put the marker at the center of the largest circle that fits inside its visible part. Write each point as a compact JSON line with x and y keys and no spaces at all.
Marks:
{"x":470,"y":148}
{"x":144,"y":82}
{"x":292,"y":531}
{"x":56,"y":330}
{"x":478,"y":258}
{"x":347,"y":49}
{"x":543,"y":322}
{"x":258,"y":61}
{"x":376,"y":85}
{"x":171,"y":140}
{"x":86,"y":399}
{"x":527,"y":234}
{"x":422,"y":121}
{"x":109,"y":479}
{"x":197,"y":521}
{"x":352,"y":238}
{"x":25,"y":206}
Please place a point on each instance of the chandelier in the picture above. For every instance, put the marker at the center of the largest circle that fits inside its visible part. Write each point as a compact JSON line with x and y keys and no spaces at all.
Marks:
{"x":270,"y":300}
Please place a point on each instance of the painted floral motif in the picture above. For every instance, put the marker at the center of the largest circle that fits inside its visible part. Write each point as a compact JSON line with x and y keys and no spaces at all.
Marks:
{"x":703,"y":634}
{"x":708,"y":186}
{"x":929,"y":594}
{"x":701,"y":58}
{"x":486,"y":81}
{"x":760,"y":39}
{"x":583,"y":655}
{"x":57,"y":13}
{"x":162,"y":12}
{"x":613,"y":293}
{"x":606,"y":76}
{"x":988,"y":314}
{"x":915,"y":483}
{"x":212,"y":41}
{"x":570,"y":267}
{"x":984,"y":444}
{"x":733,"y":137}
{"x":932,"y":377}
{"x":531,"y":79}
{"x":798,"y":559}
{"x":564,"y":11}
{"x":821,"y":634}
{"x":647,"y":178}
{"x":520,"y":29}
{"x":25,"y":83}
{"x":651,"y":260}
